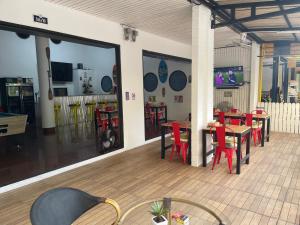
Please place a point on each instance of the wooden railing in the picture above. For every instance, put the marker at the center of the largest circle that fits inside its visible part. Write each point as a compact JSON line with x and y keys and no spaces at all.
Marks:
{"x":285,"y":117}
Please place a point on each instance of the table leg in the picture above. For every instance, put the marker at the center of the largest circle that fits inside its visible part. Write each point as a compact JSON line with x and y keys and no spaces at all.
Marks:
{"x":268,"y":129}
{"x":95,"y":120}
{"x":190,"y":148}
{"x":166,"y":114}
{"x":238,"y":155}
{"x":204,"y":159}
{"x":109,"y":120}
{"x":263,"y":133}
{"x":248,"y":147}
{"x":163,"y":148}
{"x":156,"y":116}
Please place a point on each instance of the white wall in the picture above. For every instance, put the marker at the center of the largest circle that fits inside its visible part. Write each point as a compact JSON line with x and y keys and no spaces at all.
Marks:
{"x":18,"y":59}
{"x":234,"y":56}
{"x":176,"y":111}
{"x":65,"y":20}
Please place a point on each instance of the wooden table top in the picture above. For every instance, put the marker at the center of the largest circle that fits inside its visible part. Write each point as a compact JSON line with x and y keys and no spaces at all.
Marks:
{"x":109,"y":111}
{"x":157,"y":106}
{"x":238,"y":115}
{"x":235,"y":128}
{"x":182,"y":124}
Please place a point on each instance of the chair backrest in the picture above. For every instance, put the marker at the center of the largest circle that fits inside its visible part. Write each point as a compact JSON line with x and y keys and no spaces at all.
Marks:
{"x":234,"y":110}
{"x":220,"y":131}
{"x":176,"y":133}
{"x":61,"y":206}
{"x":259,"y":111}
{"x":249,"y":118}
{"x":98,"y":115}
{"x":235,"y":122}
{"x":222,"y":117}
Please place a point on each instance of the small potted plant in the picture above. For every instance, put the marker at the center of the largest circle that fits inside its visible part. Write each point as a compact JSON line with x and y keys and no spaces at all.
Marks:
{"x":159,"y":211}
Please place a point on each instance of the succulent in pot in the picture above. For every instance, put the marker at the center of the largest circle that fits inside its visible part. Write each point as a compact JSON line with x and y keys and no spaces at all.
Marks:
{"x":159,"y":211}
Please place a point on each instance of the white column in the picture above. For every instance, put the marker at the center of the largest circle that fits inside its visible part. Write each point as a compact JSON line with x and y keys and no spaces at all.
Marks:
{"x":202,"y":77}
{"x":254,"y":79}
{"x":46,"y":105}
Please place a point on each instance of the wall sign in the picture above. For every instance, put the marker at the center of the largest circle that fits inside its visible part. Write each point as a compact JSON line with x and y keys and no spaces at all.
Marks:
{"x":163,"y":71}
{"x":40,"y":19}
{"x":106,"y":84}
{"x":227,"y":94}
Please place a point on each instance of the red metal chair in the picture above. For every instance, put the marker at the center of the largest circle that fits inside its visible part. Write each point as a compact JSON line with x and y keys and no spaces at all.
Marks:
{"x":259,"y":111}
{"x":161,"y":112}
{"x":222,"y":117}
{"x":101,"y":121}
{"x":234,"y":110}
{"x":223,"y":146}
{"x":149,"y":114}
{"x":180,"y":142}
{"x":235,"y":122}
{"x":255,"y":128}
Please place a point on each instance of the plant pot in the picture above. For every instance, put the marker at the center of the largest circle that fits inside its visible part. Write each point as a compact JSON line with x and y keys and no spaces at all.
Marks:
{"x":165,"y":222}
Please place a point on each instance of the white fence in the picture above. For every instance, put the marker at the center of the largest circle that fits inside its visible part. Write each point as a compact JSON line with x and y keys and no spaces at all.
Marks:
{"x":285,"y":117}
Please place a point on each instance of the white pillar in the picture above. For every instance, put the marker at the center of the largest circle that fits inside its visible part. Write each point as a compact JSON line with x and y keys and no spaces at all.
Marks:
{"x":254,"y":79}
{"x":46,"y":105}
{"x":202,"y":77}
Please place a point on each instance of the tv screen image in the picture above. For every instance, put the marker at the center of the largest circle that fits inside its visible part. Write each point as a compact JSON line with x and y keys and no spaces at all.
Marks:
{"x":229,"y":76}
{"x":62,"y":72}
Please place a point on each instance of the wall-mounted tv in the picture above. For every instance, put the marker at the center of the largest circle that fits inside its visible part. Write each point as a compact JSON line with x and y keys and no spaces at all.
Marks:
{"x":62,"y":72}
{"x":228,"y":77}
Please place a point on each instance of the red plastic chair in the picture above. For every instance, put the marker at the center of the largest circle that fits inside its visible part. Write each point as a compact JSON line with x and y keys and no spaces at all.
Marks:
{"x":149,"y":114}
{"x":101,"y":122}
{"x":179,"y":143}
{"x":235,"y":122}
{"x":221,"y":147}
{"x":259,"y":111}
{"x":222,"y":117}
{"x":255,"y":130}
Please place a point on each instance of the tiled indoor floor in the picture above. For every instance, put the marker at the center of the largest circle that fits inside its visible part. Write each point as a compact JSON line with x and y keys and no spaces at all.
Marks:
{"x":267,"y":191}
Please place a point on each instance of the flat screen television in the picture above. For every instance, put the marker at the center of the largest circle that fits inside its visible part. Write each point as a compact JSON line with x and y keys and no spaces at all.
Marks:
{"x":228,"y":77}
{"x":62,"y":72}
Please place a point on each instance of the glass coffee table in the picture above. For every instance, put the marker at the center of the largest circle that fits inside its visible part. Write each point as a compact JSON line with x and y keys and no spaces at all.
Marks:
{"x":196,"y":213}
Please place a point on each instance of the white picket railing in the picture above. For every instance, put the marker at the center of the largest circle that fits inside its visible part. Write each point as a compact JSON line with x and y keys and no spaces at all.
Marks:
{"x":285,"y":117}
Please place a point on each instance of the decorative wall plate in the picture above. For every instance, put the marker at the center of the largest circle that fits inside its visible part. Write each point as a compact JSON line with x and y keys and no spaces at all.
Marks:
{"x":106,"y":84}
{"x":150,"y":82}
{"x":163,"y":71}
{"x":177,"y":80}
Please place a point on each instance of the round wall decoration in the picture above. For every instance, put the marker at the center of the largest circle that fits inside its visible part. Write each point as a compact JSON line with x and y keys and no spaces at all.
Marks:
{"x":55,"y":41}
{"x":106,"y":84}
{"x":23,"y":35}
{"x":177,"y":80}
{"x":150,"y":82}
{"x":163,"y":71}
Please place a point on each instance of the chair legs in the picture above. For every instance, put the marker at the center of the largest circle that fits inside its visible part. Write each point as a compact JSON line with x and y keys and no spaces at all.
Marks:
{"x":183,"y":148}
{"x":217,"y":158}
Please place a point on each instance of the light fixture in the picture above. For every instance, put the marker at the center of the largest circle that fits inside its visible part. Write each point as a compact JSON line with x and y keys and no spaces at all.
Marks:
{"x":127,"y":32}
{"x":134,"y":34}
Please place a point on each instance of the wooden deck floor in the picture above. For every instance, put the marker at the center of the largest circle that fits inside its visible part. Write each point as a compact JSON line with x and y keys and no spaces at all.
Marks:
{"x":267,"y":192}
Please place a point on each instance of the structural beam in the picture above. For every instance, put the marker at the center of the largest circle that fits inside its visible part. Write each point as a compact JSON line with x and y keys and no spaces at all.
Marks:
{"x":287,"y":20}
{"x":258,"y":4}
{"x":272,"y":29}
{"x":225,"y":16}
{"x":258,"y":17}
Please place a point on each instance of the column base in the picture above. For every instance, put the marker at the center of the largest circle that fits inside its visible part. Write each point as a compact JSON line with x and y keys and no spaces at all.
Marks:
{"x":49,"y":131}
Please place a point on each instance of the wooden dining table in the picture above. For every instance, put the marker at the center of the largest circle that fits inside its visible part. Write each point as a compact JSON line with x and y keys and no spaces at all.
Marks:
{"x":183,"y":125}
{"x":235,"y":131}
{"x":264,"y":118}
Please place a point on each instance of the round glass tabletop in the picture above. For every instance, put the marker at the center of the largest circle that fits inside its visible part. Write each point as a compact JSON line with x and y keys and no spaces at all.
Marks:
{"x":179,"y":212}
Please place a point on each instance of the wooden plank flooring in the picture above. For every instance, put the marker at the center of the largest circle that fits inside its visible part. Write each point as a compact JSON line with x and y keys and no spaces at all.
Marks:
{"x":266,"y":193}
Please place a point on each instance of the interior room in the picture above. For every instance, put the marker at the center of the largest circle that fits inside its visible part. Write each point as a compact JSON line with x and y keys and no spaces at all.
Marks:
{"x":150,"y":112}
{"x":167,"y":91}
{"x":83,"y":77}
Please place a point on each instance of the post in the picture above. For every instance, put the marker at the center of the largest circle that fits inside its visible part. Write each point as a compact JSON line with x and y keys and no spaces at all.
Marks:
{"x":254,"y":79}
{"x":202,"y":77}
{"x":46,"y":104}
